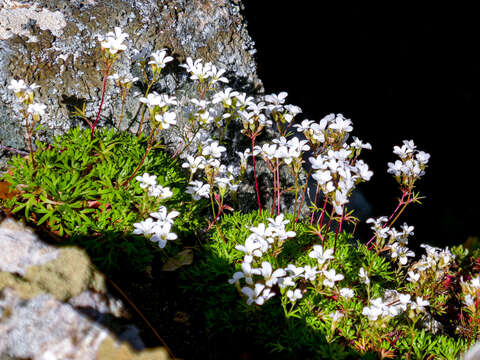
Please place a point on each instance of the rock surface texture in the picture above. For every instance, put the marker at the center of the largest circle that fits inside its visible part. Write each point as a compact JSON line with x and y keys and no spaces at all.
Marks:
{"x":54,"y":44}
{"x":54,"y":305}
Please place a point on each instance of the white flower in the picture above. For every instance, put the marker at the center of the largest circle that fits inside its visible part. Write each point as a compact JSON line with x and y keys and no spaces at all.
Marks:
{"x":163,"y":216}
{"x":401,"y":252}
{"x":347,"y":293}
{"x":36,"y":109}
{"x":197,"y":69}
{"x":304,"y":125}
{"x":413,"y":277}
{"x":276,"y":101}
{"x":147,"y":180}
{"x":295,"y":271}
{"x":153,"y":99}
{"x":422,"y":157}
{"x":213,"y":150}
{"x":236,"y":277}
{"x":419,"y":304}
{"x":320,"y":255}
{"x":372,"y":312}
{"x":254,"y":294}
{"x":331,"y":277}
{"x":160,"y":192}
{"x":271,"y":278}
{"x":358,"y":144}
{"x":125,"y":80}
{"x":162,"y":234}
{"x":363,"y":276}
{"x":113,"y":42}
{"x":160,"y":59}
{"x":248,"y":271}
{"x":310,"y":273}
{"x":363,"y":170}
{"x":469,"y":301}
{"x":294,"y":295}
{"x":198,"y":190}
{"x":224,"y":96}
{"x":395,"y":168}
{"x":404,"y":301}
{"x":279,"y":221}
{"x":17,"y":86}
{"x":322,"y":177}
{"x":251,"y":249}
{"x":144,"y":227}
{"x":194,"y":163}
{"x":341,"y":124}
{"x":216,"y":75}
{"x":166,"y":119}
{"x":336,"y":316}
{"x":285,"y":281}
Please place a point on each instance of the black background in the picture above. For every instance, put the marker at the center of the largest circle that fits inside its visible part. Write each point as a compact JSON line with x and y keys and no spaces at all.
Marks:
{"x":399,"y":73}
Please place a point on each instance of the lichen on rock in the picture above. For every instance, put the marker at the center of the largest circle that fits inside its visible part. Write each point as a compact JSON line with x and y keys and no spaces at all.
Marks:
{"x":54,"y":44}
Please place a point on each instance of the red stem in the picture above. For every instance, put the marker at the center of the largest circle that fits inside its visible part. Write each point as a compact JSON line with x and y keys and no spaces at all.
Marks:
{"x":105,"y":77}
{"x":278,"y":187}
{"x":315,"y":204}
{"x":400,"y":203}
{"x":329,"y":222}
{"x":255,"y":175}
{"x":303,"y":196}
{"x":339,"y":229}
{"x":216,"y":218}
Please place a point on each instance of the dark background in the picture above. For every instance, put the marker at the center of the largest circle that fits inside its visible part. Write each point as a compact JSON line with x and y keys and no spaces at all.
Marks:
{"x":399,"y":73}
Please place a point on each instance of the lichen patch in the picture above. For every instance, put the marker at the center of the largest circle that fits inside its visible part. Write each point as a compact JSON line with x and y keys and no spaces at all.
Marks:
{"x":15,"y":19}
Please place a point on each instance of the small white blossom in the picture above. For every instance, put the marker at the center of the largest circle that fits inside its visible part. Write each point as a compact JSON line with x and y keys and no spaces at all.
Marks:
{"x":331,"y":277}
{"x":294,"y":295}
{"x":198,"y":190}
{"x":347,"y":293}
{"x":162,"y":235}
{"x":165,"y":217}
{"x":363,"y":276}
{"x":321,"y":255}
{"x":147,"y":180}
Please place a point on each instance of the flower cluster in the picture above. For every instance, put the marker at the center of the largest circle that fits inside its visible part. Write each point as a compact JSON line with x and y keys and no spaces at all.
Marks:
{"x":392,"y":305}
{"x":112,"y":43}
{"x":336,"y":168}
{"x":471,"y":293}
{"x":200,"y":71}
{"x":155,"y":190}
{"x":411,"y":165}
{"x":158,"y":106}
{"x":259,"y":277}
{"x":261,"y":240}
{"x":158,"y":226}
{"x":25,"y":95}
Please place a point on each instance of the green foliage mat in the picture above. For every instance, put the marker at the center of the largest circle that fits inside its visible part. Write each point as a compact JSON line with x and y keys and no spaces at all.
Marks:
{"x":307,"y":332}
{"x":76,"y":192}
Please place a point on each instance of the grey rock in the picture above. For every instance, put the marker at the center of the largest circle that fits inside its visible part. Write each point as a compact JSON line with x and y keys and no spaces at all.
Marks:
{"x":54,"y":44}
{"x":21,"y":248}
{"x":83,"y":322}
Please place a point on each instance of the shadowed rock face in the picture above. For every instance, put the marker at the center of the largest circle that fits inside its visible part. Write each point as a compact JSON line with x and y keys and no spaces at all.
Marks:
{"x":54,"y":44}
{"x":55,"y":305}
